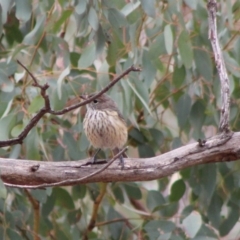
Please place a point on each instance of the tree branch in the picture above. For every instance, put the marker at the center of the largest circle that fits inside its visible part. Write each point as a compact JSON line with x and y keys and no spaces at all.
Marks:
{"x":91,"y":224}
{"x":47,"y":107}
{"x":25,"y":174}
{"x":105,"y":89}
{"x":36,"y":214}
{"x":220,"y":64}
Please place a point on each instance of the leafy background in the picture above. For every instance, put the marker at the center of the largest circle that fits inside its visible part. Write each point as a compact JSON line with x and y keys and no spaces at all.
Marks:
{"x":77,"y":47}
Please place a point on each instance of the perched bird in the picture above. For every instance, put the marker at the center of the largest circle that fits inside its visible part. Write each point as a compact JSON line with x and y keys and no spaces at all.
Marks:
{"x":105,"y":126}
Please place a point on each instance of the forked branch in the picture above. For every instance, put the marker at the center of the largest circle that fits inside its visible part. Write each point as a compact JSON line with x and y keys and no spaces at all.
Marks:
{"x":47,"y":108}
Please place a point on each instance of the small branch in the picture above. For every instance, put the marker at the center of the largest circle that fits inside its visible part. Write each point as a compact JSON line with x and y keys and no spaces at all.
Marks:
{"x":110,"y":85}
{"x":91,"y":225}
{"x":69,"y":181}
{"x":225,"y":92}
{"x":36,"y":214}
{"x":47,"y":107}
{"x":139,"y":233}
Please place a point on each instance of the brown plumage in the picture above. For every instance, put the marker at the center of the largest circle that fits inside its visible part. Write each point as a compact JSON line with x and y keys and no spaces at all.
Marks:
{"x":104,"y":125}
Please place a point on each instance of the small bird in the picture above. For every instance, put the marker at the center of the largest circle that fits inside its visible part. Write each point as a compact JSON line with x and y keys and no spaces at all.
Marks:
{"x":105,"y":126}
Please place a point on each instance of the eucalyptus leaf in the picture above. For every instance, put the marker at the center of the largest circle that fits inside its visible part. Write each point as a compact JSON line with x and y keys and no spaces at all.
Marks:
{"x":185,"y":49}
{"x":88,"y":56}
{"x":3,"y":190}
{"x":81,"y":6}
{"x":93,"y":19}
{"x":192,"y":224}
{"x":32,"y":37}
{"x":149,"y":7}
{"x":23,"y":10}
{"x":64,"y":73}
{"x":168,"y":36}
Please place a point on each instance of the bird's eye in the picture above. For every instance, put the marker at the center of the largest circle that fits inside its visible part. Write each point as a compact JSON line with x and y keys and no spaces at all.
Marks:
{"x":95,"y":101}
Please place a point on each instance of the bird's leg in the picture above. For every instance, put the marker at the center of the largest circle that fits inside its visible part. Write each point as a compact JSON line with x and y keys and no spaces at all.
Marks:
{"x":93,"y":160}
{"x":116,"y":151}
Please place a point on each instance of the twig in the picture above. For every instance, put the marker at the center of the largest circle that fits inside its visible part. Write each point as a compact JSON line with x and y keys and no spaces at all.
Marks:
{"x":36,"y":217}
{"x":47,"y":107}
{"x":65,"y":182}
{"x":96,"y":205}
{"x":220,"y":64}
{"x":111,"y":84}
{"x":139,"y":234}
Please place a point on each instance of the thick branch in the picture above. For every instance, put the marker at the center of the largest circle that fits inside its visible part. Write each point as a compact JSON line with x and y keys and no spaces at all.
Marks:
{"x":225,"y":92}
{"x":29,"y":174}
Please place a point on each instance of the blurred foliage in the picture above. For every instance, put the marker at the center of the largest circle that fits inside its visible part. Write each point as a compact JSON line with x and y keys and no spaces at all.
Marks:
{"x":77,"y":47}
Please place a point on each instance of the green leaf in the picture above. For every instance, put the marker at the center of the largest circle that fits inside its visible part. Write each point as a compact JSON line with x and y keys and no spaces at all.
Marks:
{"x":140,"y":96}
{"x":133,"y":191}
{"x":23,"y":10}
{"x":208,"y":179}
{"x":48,"y":205}
{"x":179,"y":76}
{"x":183,"y":107}
{"x":154,"y":50}
{"x":192,"y":3}
{"x":63,"y":198}
{"x":203,"y":64}
{"x":3,"y":190}
{"x":192,"y":223}
{"x":117,"y":229}
{"x":214,"y":210}
{"x":177,"y":190}
{"x":93,"y":19}
{"x":81,"y":7}
{"x":185,"y":49}
{"x":40,"y":195}
{"x":6,"y":125}
{"x":100,"y":41}
{"x":137,"y":135}
{"x":36,"y":104}
{"x":88,"y":56}
{"x":12,"y":234}
{"x":118,"y":193}
{"x":6,"y":84}
{"x":64,"y":16}
{"x":154,"y":199}
{"x":74,"y":216}
{"x":79,"y":191}
{"x":157,"y":136}
{"x":83,"y":143}
{"x":116,"y":18}
{"x":1,"y":22}
{"x":32,"y":145}
{"x":149,"y":7}
{"x":9,"y":68}
{"x":197,"y":115}
{"x":145,"y":151}
{"x":115,"y":50}
{"x":56,"y":102}
{"x":168,"y":37}
{"x":229,"y":222}
{"x":168,"y":210}
{"x":72,"y":146}
{"x":148,"y":69}
{"x":62,"y":76}
{"x":33,"y":37}
{"x":152,"y":228}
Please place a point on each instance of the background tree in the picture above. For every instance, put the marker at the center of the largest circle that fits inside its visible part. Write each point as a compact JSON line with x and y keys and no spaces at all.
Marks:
{"x":77,"y":47}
